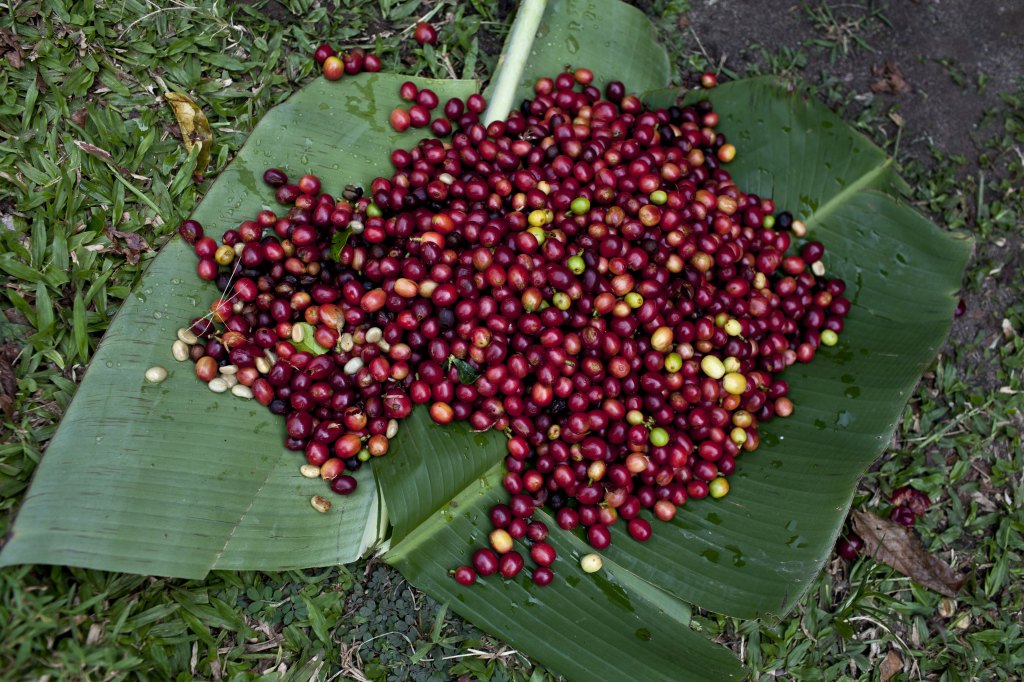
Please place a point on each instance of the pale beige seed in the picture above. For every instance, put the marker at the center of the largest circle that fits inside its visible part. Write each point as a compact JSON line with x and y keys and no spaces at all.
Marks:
{"x":734,"y":383}
{"x":230,"y":379}
{"x":263,"y":365}
{"x":241,"y":391}
{"x":229,"y":369}
{"x":712,"y":366}
{"x":353,"y":366}
{"x":392,"y":429}
{"x":298,"y":333}
{"x":218,"y":385}
{"x":661,"y":339}
{"x":155,"y":375}
{"x":185,"y":335}
{"x":179,"y":349}
{"x":374,"y":334}
{"x":591,"y":563}
{"x":310,"y":471}
{"x":501,"y":541}
{"x":427,"y":287}
{"x":346,"y":342}
{"x":321,"y":504}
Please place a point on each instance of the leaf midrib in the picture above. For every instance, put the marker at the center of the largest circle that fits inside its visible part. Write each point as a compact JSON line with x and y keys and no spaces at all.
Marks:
{"x":413,"y":538}
{"x":865,"y":181}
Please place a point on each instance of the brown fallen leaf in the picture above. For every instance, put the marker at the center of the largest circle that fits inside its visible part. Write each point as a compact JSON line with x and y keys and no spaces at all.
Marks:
{"x":899,"y":547}
{"x":8,"y":380}
{"x":15,"y":316}
{"x":11,"y":48}
{"x":14,"y":59}
{"x":80,"y":117}
{"x":132,"y":247}
{"x":98,"y":152}
{"x":890,"y":80}
{"x":890,"y":665}
{"x":195,"y":129}
{"x":104,"y":155}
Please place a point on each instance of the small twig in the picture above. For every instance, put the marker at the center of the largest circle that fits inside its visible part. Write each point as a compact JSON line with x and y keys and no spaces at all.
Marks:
{"x":700,"y":45}
{"x":899,"y":640}
{"x":925,"y":441}
{"x":484,"y":655}
{"x":449,"y":67}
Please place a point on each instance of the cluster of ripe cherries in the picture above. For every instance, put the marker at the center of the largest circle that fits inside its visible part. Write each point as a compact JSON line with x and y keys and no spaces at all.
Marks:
{"x":355,"y":61}
{"x":583,"y":276}
{"x":907,"y":505}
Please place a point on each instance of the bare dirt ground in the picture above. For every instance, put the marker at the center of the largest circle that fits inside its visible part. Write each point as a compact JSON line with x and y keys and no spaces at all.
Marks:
{"x":941,"y":47}
{"x":937,"y":68}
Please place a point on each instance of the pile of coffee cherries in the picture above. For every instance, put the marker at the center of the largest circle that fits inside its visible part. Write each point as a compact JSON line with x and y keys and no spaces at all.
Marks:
{"x":583,"y":276}
{"x":334,"y":66}
{"x":353,"y":62}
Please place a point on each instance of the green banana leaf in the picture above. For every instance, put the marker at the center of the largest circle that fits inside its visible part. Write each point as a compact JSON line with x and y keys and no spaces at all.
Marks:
{"x":174,"y":480}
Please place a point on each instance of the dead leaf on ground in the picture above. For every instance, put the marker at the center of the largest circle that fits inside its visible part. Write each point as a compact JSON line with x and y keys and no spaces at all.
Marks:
{"x":15,"y":316}
{"x":899,"y":547}
{"x":80,"y":117}
{"x":195,"y":129}
{"x":11,"y":48}
{"x":98,"y":152}
{"x":8,"y":380}
{"x":890,"y":80}
{"x":131,"y":247}
{"x":890,"y":665}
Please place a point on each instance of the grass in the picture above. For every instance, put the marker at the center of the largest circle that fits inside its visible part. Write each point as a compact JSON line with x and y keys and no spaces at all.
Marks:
{"x":91,"y":72}
{"x":841,"y":29}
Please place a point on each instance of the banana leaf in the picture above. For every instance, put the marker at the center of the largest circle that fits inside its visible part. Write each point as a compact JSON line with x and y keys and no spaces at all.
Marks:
{"x":174,"y":480}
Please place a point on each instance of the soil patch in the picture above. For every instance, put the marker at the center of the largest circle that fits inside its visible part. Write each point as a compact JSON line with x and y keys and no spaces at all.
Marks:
{"x":942,"y":49}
